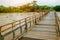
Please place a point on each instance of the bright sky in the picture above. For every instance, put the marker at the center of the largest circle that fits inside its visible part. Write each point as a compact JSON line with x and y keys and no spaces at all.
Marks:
{"x":21,"y":2}
{"x":13,"y":2}
{"x":49,"y":2}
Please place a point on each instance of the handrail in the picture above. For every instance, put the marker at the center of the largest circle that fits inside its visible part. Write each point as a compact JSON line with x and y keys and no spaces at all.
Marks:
{"x":57,"y":23}
{"x":27,"y":19}
{"x":20,"y":21}
{"x":13,"y":23}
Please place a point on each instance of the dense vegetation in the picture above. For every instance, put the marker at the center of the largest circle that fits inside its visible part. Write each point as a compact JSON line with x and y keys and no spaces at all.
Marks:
{"x":57,"y":8}
{"x":24,"y":8}
{"x":29,"y":7}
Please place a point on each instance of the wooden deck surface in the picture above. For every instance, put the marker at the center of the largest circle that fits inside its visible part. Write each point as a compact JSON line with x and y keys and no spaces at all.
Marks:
{"x":45,"y":29}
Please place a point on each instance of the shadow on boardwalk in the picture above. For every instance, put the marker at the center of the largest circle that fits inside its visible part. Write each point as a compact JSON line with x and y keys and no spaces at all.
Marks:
{"x":26,"y":38}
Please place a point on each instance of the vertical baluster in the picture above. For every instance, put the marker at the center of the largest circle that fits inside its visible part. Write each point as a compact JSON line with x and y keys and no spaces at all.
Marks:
{"x":13,"y":31}
{"x":35,"y":20}
{"x":39,"y":16}
{"x":30,"y":22}
{"x":25,"y":25}
{"x":21,"y":30}
{"x":20,"y":27}
{"x":0,"y":34}
{"x":32,"y":18}
{"x":42,"y":15}
{"x":1,"y":37}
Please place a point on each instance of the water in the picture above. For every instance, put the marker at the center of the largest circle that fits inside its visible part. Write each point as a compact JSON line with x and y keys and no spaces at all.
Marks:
{"x":10,"y":17}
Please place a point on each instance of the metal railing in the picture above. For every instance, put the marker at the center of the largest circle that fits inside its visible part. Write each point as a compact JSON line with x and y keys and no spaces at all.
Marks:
{"x":17,"y":29}
{"x":57,"y":24}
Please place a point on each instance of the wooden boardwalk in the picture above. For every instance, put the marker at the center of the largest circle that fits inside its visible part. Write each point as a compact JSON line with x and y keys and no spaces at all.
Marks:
{"x":44,"y":26}
{"x":44,"y":30}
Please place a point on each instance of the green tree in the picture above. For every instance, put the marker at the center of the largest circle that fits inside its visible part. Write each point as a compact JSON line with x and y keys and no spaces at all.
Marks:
{"x":57,"y":8}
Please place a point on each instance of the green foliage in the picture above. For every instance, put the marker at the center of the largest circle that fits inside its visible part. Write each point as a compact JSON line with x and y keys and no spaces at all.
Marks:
{"x":2,"y":8}
{"x":57,"y":8}
{"x":29,"y":7}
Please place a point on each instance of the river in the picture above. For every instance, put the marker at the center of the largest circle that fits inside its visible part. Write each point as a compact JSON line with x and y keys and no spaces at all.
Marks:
{"x":11,"y":17}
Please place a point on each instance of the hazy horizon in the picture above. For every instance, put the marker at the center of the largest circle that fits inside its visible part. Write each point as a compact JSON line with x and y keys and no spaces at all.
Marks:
{"x":21,"y":2}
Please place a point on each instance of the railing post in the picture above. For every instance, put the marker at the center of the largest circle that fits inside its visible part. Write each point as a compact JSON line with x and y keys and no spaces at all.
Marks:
{"x":25,"y":25}
{"x":1,"y":37}
{"x":20,"y":28}
{"x":30,"y":21}
{"x":13,"y":32}
{"x":35,"y":20}
{"x":39,"y":16}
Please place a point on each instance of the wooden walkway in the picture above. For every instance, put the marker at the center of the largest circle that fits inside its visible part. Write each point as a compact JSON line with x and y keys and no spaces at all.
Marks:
{"x":44,"y":30}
